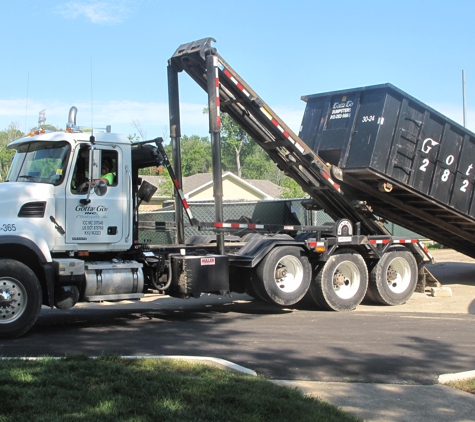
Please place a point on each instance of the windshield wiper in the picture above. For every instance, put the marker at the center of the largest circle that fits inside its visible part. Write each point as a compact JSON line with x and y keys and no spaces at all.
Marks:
{"x":27,"y":176}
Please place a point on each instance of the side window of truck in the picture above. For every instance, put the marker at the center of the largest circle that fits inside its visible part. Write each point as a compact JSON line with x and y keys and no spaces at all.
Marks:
{"x":109,"y":165}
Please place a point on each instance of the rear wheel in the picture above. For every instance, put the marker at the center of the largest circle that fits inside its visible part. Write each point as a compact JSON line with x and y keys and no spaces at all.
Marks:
{"x":394,"y":278}
{"x":341,"y":283}
{"x":20,"y":298}
{"x":283,"y":276}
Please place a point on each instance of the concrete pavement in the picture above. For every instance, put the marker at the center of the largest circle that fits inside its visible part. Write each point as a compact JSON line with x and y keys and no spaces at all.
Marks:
{"x":393,"y":402}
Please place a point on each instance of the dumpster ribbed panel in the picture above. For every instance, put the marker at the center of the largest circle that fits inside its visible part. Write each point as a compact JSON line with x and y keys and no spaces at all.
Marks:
{"x":413,"y":165}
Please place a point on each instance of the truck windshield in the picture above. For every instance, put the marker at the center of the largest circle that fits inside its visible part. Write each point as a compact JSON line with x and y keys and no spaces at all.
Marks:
{"x":40,"y":162}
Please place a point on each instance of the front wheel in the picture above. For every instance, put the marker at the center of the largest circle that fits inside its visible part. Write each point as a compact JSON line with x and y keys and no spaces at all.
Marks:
{"x":394,"y":278}
{"x":341,"y":283}
{"x":283,"y":276}
{"x":20,"y":298}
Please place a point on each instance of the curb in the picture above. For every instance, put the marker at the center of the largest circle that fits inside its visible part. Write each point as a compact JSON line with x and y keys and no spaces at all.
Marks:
{"x":216,"y":362}
{"x":230,"y":366}
{"x":459,"y":376}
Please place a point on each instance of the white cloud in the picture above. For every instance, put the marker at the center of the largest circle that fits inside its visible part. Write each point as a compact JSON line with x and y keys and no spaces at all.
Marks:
{"x":98,"y":12}
{"x":152,"y":116}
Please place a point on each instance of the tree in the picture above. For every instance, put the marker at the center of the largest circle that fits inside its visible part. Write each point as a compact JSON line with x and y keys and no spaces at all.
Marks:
{"x":6,"y":136}
{"x":291,"y":189}
{"x":244,"y":157}
{"x":236,"y":144}
{"x":240,"y":154}
{"x":165,"y":186}
{"x":142,"y":134}
{"x":196,"y":155}
{"x":258,"y":165}
{"x":49,"y":127}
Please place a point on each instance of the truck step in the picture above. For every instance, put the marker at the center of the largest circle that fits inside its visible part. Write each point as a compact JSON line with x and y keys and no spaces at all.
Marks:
{"x":126,"y":296}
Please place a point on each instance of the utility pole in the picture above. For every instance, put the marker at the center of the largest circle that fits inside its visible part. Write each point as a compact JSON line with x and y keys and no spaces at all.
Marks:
{"x":463,"y":95}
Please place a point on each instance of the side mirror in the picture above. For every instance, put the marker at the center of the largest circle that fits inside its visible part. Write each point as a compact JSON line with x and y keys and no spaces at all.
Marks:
{"x":100,"y":188}
{"x":146,"y":191}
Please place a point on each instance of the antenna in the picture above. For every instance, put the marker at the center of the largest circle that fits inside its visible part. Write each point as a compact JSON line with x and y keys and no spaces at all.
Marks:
{"x":92,"y":139}
{"x":27,"y":94}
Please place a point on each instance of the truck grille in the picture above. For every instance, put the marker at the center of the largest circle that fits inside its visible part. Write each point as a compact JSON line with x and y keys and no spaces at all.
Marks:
{"x":33,"y":210}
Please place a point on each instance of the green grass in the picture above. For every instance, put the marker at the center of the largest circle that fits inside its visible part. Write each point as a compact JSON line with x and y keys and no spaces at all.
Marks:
{"x":434,"y":245}
{"x":139,"y":390}
{"x":465,"y":385}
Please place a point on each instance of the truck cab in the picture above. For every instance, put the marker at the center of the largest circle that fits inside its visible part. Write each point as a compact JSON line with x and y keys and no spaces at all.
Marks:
{"x":56,"y":206}
{"x":62,"y":228}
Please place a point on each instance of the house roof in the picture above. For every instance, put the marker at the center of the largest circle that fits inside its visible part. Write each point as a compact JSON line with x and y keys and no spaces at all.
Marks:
{"x":266,"y":186}
{"x":192,"y":183}
{"x":201,"y":181}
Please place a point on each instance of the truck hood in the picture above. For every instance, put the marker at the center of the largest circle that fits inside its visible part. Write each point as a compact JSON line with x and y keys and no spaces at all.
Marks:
{"x":26,"y":198}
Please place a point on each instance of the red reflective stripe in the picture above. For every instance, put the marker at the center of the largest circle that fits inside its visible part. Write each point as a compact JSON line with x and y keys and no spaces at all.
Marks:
{"x":378,"y":241}
{"x":407,"y":241}
{"x":226,"y":72}
{"x":286,"y":134}
{"x":240,"y":86}
{"x":177,"y":184}
{"x":218,"y":101}
{"x":275,"y":122}
{"x":327,"y":176}
{"x":185,"y":204}
{"x":218,"y":120}
{"x":218,"y":224}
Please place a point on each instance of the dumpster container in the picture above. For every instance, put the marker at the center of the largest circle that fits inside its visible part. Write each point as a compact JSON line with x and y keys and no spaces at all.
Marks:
{"x":411,"y":164}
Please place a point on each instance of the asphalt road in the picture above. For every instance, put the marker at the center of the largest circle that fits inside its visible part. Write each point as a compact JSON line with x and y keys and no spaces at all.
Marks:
{"x":371,"y":344}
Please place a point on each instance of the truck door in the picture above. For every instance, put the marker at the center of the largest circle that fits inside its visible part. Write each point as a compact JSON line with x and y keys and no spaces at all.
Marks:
{"x":103,"y":218}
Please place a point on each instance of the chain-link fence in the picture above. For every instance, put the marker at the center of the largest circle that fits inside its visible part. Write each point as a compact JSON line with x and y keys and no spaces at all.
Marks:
{"x":280,"y":212}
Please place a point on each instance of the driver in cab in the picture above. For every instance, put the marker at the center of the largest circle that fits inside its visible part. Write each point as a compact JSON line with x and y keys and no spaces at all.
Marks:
{"x":106,"y":175}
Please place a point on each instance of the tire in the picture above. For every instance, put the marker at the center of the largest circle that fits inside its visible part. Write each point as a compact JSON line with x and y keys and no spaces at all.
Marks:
{"x":341,"y":283}
{"x":251,"y":291}
{"x":394,"y":278}
{"x":283,"y":276}
{"x":20,"y":298}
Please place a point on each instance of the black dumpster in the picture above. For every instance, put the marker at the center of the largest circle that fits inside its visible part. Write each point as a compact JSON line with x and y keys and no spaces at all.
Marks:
{"x":410,"y":163}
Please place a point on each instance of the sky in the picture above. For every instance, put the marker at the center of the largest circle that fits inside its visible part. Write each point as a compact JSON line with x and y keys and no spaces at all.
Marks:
{"x":109,"y":57}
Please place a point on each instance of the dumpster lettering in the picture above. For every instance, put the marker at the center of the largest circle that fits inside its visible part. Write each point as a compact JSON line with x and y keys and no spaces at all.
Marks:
{"x":367,"y":119}
{"x":428,"y":144}
{"x":425,"y":163}
{"x":450,"y":160}
{"x":465,"y":185}
{"x":445,"y":175}
{"x":341,"y":110}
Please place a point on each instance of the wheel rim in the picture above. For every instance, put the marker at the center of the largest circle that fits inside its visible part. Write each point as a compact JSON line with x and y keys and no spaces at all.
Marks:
{"x":346,"y":280}
{"x":288,"y":274}
{"x":13,"y":300}
{"x":398,"y":275}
